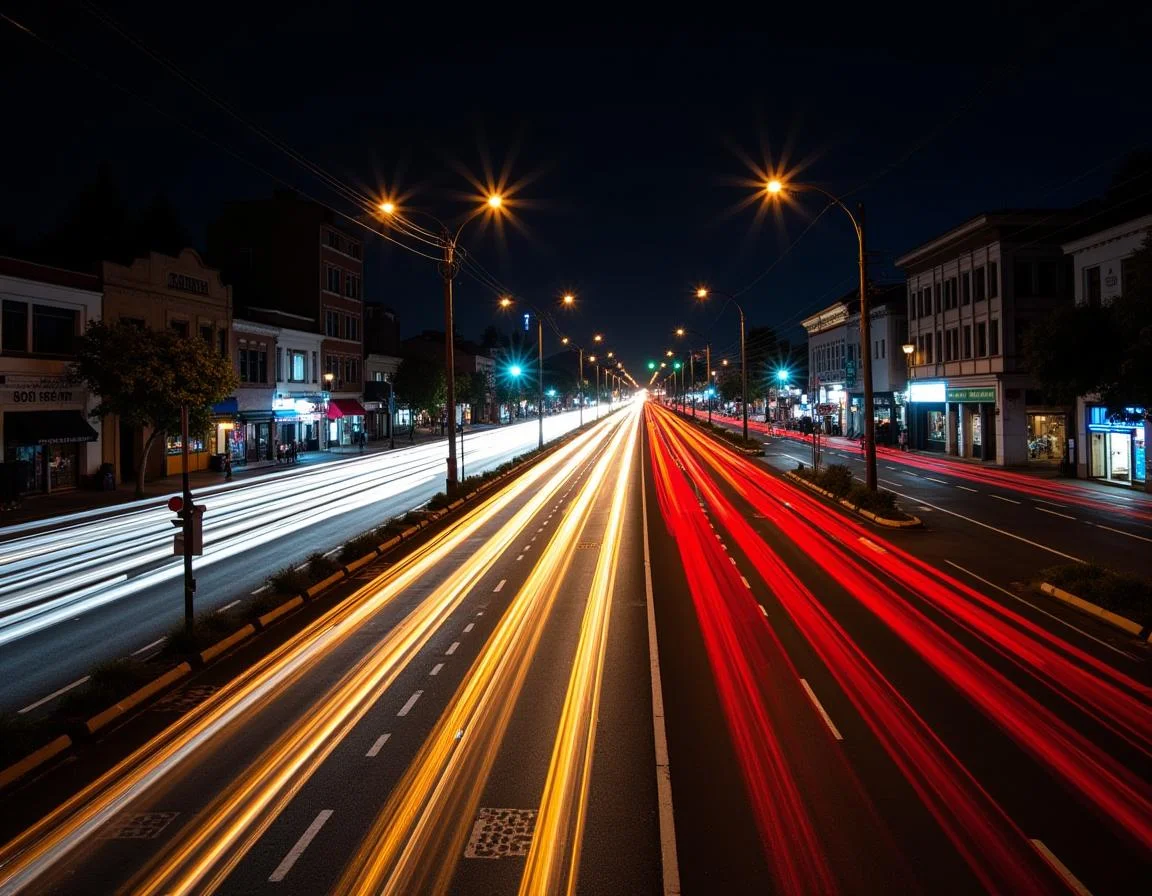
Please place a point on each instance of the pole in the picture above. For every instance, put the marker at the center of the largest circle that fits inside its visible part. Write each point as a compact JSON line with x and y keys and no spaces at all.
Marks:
{"x":743,"y":373}
{"x":708,"y":377}
{"x":188,"y":517}
{"x":866,"y":356}
{"x":461,"y":451}
{"x":447,"y":271}
{"x":597,"y":369}
{"x":540,"y":375}
{"x":692,"y":368}
{"x":581,"y":386}
{"x":391,"y":416}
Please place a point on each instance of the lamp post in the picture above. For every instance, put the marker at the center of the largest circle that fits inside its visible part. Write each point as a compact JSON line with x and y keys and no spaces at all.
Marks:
{"x":596,"y":369}
{"x":703,"y":293}
{"x":909,"y":350}
{"x":328,"y":377}
{"x":774,"y":188}
{"x":781,"y":382}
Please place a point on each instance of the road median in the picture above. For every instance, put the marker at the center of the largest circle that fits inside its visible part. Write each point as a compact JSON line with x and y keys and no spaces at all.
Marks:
{"x":906,"y":520}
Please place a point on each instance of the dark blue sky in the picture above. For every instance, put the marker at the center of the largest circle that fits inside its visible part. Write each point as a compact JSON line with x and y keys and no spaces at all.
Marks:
{"x":633,"y":140}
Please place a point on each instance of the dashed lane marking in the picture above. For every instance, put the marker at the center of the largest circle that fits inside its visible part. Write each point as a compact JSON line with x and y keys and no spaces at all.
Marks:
{"x":499,"y":585}
{"x":968,"y":489}
{"x":762,"y":610}
{"x":227,"y":607}
{"x":452,"y":649}
{"x":871,"y":545}
{"x":407,"y":707}
{"x":436,"y":669}
{"x":1002,"y":498}
{"x":1120,"y":531}
{"x":298,"y":850}
{"x":820,"y":709}
{"x":745,"y":581}
{"x":469,"y":627}
{"x":931,"y":479}
{"x":521,"y":557}
{"x":1060,"y":868}
{"x":376,"y":747}
{"x":1054,"y":513}
{"x":54,"y":694}
{"x":148,"y":647}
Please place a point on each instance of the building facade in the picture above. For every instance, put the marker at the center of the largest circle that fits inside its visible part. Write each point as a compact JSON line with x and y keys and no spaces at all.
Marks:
{"x":1114,"y":449}
{"x":972,"y":295}
{"x":299,"y":403}
{"x":161,"y":292}
{"x":379,"y":402}
{"x":46,"y":440}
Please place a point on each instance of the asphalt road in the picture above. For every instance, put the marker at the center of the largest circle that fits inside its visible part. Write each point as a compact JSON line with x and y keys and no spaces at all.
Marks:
{"x":76,"y":592}
{"x":422,"y":735}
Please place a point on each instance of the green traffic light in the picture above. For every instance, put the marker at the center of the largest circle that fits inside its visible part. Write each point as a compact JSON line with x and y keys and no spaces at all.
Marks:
{"x":676,"y":366}
{"x":651,"y":365}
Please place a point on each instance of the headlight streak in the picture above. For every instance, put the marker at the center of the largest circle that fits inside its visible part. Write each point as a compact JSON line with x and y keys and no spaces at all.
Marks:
{"x":72,"y":824}
{"x":553,"y":862}
{"x":1116,"y":792}
{"x":430,"y":811}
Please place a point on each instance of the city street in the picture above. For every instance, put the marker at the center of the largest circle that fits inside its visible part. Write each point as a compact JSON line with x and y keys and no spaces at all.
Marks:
{"x":89,"y":587}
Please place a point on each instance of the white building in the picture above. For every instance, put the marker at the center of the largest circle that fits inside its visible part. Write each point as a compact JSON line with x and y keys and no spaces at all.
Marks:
{"x":298,"y":402}
{"x":45,"y":434}
{"x":1111,"y":450}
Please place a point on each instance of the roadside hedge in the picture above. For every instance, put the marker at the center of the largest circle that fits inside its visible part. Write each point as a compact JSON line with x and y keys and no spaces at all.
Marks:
{"x":1126,"y":595}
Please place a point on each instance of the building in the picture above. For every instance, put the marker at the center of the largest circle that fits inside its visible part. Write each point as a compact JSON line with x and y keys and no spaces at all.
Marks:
{"x":1112,"y":450}
{"x":251,"y":436}
{"x":295,"y":257}
{"x":181,"y":294}
{"x":300,"y":400}
{"x":972,"y":294}
{"x":379,"y":402}
{"x":468,"y":358}
{"x":381,"y":330}
{"x":46,"y":440}
{"x":836,"y":392}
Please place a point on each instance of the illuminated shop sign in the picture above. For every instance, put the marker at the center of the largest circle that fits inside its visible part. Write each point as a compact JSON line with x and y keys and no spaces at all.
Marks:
{"x":926,"y":392}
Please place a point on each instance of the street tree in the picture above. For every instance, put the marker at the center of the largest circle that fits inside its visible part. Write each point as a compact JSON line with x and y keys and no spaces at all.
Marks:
{"x":144,"y":377}
{"x":420,"y":386}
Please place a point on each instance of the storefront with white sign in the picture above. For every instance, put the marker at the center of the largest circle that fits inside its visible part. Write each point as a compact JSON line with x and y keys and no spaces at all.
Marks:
{"x":46,"y":432}
{"x":298,"y":418}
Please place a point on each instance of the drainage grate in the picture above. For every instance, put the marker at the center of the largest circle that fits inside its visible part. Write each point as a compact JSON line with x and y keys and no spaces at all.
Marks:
{"x":144,"y":826}
{"x":501,"y":833}
{"x":186,"y":699}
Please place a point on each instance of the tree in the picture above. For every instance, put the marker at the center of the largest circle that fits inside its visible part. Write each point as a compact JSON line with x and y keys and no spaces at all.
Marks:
{"x":472,"y":389}
{"x":420,"y":386}
{"x":145,"y":377}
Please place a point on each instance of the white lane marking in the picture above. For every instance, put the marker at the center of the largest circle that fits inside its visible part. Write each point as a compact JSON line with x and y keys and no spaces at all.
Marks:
{"x":872,"y":545}
{"x":718,"y":538}
{"x":732,"y":559}
{"x":527,"y":547}
{"x":436,"y":669}
{"x":260,"y":590}
{"x":407,"y":707}
{"x":941,"y":481}
{"x":1119,"y":531}
{"x":1029,"y":603}
{"x":469,"y":627}
{"x":1001,"y":498}
{"x":227,"y":607}
{"x":910,"y":473}
{"x":890,"y":468}
{"x":302,"y":844}
{"x":1051,"y":504}
{"x":1054,"y":513}
{"x":54,"y":695}
{"x":148,"y":647}
{"x":820,"y":709}
{"x":334,"y":550}
{"x":762,"y":610}
{"x":745,"y":581}
{"x":451,"y":650}
{"x":302,"y":566}
{"x":968,"y":489}
{"x":1060,"y":868}
{"x":521,"y":557}
{"x":499,"y":585}
{"x":376,"y":747}
{"x":541,"y":529}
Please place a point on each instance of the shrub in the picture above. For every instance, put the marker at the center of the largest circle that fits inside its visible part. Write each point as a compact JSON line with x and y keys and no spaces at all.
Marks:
{"x":880,"y":502}
{"x":836,"y":478}
{"x":289,"y":580}
{"x":262,"y":603}
{"x":359,"y":546}
{"x":438,"y":501}
{"x":1126,"y":595}
{"x":320,"y":567}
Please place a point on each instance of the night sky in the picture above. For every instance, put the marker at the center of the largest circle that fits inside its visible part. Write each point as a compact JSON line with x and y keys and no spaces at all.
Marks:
{"x":631,"y":145}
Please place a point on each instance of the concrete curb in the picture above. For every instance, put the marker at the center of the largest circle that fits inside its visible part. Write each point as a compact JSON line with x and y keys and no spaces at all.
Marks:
{"x":313,"y":590}
{"x":272,"y":615}
{"x":912,"y":523}
{"x":1143,"y":632}
{"x":134,"y":699}
{"x":210,"y":653}
{"x":350,"y":568}
{"x":34,"y":760}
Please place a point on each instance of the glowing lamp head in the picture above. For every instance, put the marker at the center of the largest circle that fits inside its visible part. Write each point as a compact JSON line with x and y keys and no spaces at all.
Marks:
{"x":651,"y":365}
{"x":563,"y":340}
{"x":773,"y":186}
{"x":569,"y":298}
{"x":592,"y":359}
{"x":495,"y":201}
{"x":679,"y":331}
{"x":676,"y":366}
{"x":551,"y":393}
{"x":505,"y":302}
{"x":782,"y":375}
{"x":515,"y":370}
{"x":725,"y":362}
{"x":597,"y":338}
{"x":388,"y":207}
{"x":701,"y":293}
{"x":908,"y":348}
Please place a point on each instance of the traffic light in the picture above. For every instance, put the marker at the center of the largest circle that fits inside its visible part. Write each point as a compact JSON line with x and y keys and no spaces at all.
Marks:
{"x":676,"y":366}
{"x":651,"y":365}
{"x":176,"y":505}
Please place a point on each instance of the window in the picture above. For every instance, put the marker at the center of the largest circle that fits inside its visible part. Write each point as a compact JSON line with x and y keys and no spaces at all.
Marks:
{"x":353,"y":249}
{"x":993,"y":337}
{"x":1047,"y":277}
{"x":180,"y":326}
{"x":967,"y":341}
{"x":981,"y":340}
{"x":978,"y":283}
{"x":297,"y":364}
{"x":950,"y":293}
{"x":912,"y":304}
{"x":1128,"y":276}
{"x":54,"y":330}
{"x":279,"y":363}
{"x":993,"y":280}
{"x":966,"y":288}
{"x":349,"y":370}
{"x":352,"y":286}
{"x":332,"y":323}
{"x":351,"y":327}
{"x":222,"y":338}
{"x":1092,"y":286}
{"x":14,"y":324}
{"x":206,"y":334}
{"x":253,"y":364}
{"x":134,"y":321}
{"x":939,"y":345}
{"x":315,"y":369}
{"x":952,"y":345}
{"x":332,"y":278}
{"x":1023,"y":326}
{"x":936,"y":289}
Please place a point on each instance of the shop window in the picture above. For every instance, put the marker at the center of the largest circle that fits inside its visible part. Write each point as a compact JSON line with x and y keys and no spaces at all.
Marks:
{"x":54,"y":330}
{"x":1092,"y":286}
{"x":937,"y":423}
{"x":993,"y":279}
{"x":14,"y":325}
{"x":978,"y":284}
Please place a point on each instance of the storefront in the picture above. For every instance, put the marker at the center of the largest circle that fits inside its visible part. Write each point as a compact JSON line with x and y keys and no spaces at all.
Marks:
{"x":198,"y":454}
{"x":298,"y":419}
{"x":1116,"y":448}
{"x":973,"y":410}
{"x":46,"y":448}
{"x":1047,"y":437}
{"x":345,"y":420}
{"x":927,"y":416}
{"x":884,"y":417}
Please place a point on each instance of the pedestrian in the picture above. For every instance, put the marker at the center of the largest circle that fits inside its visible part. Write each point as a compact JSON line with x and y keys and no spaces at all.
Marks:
{"x":903,"y":439}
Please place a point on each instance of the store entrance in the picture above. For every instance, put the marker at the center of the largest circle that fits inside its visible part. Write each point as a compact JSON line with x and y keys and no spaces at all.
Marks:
{"x":1045,"y":438}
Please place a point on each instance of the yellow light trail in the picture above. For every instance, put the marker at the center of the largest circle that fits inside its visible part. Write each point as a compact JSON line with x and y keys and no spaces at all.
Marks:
{"x":236,"y":818}
{"x":430,"y":812}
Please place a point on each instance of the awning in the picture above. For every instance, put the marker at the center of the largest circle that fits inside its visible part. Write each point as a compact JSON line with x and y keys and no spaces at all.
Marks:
{"x":344,"y":407}
{"x":227,"y":407}
{"x":47,"y":428}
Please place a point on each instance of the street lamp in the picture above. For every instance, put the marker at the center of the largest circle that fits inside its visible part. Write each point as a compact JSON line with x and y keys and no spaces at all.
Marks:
{"x":328,"y":377}
{"x":774,"y":188}
{"x":680,"y":331}
{"x":449,"y":268}
{"x":702,"y":293}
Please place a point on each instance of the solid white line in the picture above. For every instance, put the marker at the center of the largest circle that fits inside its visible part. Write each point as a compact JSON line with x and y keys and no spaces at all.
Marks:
{"x":820,"y":709}
{"x":941,"y":481}
{"x":380,"y":741}
{"x":227,"y":607}
{"x":451,"y":650}
{"x":1041,"y":610}
{"x":1120,"y":532}
{"x":1000,"y":498}
{"x":1060,"y":868}
{"x":872,"y":545}
{"x":499,"y":585}
{"x":968,"y":489}
{"x":407,"y":707}
{"x":667,"y":823}
{"x":53,"y":695}
{"x":745,"y":581}
{"x":469,"y":627}
{"x":1054,"y":513}
{"x":436,"y":669}
{"x":148,"y":647}
{"x":302,"y":844}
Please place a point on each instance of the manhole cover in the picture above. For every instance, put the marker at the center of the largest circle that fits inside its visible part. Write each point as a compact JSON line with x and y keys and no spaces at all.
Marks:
{"x":186,"y":699}
{"x":143,"y":826}
{"x":500,"y":833}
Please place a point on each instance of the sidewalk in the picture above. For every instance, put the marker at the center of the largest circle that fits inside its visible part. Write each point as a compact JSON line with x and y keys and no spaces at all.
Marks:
{"x":39,"y":506}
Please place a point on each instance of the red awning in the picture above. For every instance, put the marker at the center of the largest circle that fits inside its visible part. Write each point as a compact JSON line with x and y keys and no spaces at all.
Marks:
{"x":345,"y":407}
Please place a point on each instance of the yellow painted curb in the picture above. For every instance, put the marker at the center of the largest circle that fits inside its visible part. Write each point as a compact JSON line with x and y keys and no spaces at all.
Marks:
{"x":389,"y":544}
{"x":134,"y":699}
{"x":408,"y":533}
{"x":34,"y":760}
{"x":1120,"y":622}
{"x":232,"y":640}
{"x":324,"y":583}
{"x":272,"y":615}
{"x":350,"y":568}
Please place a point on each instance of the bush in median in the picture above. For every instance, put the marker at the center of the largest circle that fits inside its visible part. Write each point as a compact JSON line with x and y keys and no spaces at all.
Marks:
{"x":1126,"y":595}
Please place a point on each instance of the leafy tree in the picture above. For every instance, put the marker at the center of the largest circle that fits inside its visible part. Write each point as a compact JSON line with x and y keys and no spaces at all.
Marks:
{"x":420,"y":386}
{"x":473,"y":389}
{"x":145,"y":377}
{"x":728,"y":384}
